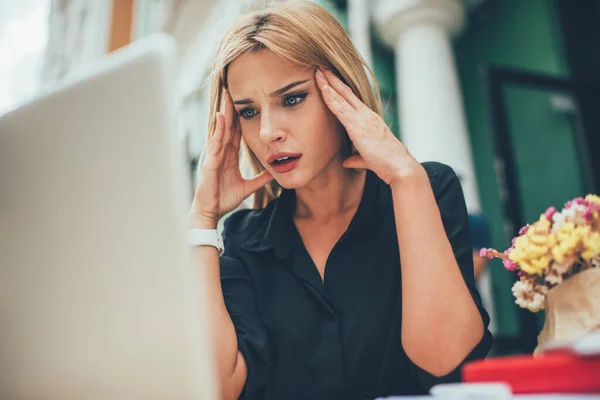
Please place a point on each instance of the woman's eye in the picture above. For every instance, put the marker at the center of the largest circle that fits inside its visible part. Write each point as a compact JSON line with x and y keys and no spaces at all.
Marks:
{"x":248,"y":113}
{"x":290,"y":101}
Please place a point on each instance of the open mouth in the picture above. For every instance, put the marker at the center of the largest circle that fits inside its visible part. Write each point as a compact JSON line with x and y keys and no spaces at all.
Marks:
{"x":285,"y":160}
{"x":282,"y":163}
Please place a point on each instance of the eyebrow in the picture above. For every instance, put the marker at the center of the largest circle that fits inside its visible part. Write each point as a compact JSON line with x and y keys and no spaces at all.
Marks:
{"x":277,"y":92}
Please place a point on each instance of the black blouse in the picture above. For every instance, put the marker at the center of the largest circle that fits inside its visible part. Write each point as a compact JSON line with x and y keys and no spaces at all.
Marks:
{"x":305,"y":339}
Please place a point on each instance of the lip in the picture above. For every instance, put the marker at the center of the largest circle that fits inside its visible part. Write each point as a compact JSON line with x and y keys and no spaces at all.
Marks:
{"x":279,"y":155}
{"x":287,"y":167}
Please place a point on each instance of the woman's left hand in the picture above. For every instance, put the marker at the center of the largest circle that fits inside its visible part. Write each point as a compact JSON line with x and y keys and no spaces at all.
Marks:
{"x":378,"y":149}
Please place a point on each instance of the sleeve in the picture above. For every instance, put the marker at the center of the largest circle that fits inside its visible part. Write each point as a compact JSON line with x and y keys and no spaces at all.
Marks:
{"x":240,"y":300}
{"x":451,"y":203}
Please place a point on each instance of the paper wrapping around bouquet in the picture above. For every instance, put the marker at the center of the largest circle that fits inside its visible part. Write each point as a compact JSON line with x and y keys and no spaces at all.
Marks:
{"x":572,"y":309}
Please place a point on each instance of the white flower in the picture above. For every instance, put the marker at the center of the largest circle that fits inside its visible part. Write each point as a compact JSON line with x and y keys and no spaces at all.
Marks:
{"x":559,"y":219}
{"x":553,"y":276}
{"x":537,"y":303}
{"x":574,"y":213}
{"x":521,"y":290}
{"x":529,"y":297}
{"x":521,"y":287}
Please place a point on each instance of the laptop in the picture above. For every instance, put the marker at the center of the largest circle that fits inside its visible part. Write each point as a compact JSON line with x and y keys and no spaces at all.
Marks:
{"x":99,"y":298}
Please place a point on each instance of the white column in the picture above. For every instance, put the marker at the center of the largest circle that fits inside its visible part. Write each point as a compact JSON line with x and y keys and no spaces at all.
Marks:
{"x":432,"y":121}
{"x":359,"y":28}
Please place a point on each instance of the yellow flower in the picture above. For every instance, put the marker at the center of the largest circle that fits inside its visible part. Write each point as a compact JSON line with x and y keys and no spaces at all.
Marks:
{"x":565,"y":230}
{"x":543,"y":224}
{"x":592,"y":198}
{"x":538,"y":247}
{"x":550,"y":248}
{"x":532,"y":250}
{"x":535,"y":265}
{"x":569,"y":238}
{"x":591,"y":246}
{"x":551,"y":241}
{"x":559,"y":254}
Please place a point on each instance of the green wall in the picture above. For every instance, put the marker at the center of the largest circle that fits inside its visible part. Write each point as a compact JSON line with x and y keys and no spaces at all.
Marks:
{"x":526,"y":35}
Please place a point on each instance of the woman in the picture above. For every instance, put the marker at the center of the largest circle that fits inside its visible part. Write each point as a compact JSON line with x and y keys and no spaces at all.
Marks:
{"x":352,"y":278}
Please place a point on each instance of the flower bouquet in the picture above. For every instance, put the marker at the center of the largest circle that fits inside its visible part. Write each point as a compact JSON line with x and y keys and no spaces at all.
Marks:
{"x":557,"y":259}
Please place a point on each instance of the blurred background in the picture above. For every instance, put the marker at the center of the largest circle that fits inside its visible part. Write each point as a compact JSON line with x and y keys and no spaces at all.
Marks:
{"x":505,"y":91}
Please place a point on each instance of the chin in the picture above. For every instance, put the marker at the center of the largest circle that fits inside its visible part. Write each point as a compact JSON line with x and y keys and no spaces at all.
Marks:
{"x":293,"y":179}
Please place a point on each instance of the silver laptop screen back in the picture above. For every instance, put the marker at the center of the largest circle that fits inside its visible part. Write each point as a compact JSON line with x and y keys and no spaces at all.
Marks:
{"x":98,"y":298}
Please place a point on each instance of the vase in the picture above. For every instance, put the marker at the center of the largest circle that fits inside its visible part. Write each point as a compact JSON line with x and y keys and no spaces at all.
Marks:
{"x":572,"y":310}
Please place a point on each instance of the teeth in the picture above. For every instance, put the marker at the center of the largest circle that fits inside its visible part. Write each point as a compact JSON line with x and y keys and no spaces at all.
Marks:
{"x":283,"y":159}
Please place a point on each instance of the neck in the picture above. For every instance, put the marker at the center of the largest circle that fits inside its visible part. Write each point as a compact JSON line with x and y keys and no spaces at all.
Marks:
{"x":335,"y":192}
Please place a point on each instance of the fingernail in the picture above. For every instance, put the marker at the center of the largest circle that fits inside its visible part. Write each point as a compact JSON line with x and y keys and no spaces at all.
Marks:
{"x":320,"y":74}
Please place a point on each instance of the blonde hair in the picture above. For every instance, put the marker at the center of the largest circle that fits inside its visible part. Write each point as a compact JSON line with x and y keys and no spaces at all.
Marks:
{"x":299,"y":31}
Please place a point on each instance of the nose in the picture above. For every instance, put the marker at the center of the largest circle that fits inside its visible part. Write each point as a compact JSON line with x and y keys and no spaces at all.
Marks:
{"x":269,"y":130}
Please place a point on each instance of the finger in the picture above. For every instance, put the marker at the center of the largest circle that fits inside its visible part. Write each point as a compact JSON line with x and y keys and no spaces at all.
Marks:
{"x":355,"y":161}
{"x":336,"y":103}
{"x":343,"y":89}
{"x":216,"y":142}
{"x":260,"y":180}
{"x":237,"y":134}
{"x":229,"y":116}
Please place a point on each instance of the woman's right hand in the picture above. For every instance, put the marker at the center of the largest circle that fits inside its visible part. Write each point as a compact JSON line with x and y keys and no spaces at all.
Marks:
{"x":221,"y":187}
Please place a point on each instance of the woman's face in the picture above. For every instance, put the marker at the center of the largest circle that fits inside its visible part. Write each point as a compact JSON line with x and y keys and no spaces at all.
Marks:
{"x":283,"y":117}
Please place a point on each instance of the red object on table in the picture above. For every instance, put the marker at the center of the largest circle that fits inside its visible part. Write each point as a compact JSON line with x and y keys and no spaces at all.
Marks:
{"x":555,"y":372}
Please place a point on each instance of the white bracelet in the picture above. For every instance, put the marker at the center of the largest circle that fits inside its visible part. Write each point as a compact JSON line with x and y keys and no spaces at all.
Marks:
{"x":206,"y":237}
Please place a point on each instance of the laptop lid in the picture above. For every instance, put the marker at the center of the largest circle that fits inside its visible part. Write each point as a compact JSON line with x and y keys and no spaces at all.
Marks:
{"x":98,"y":296}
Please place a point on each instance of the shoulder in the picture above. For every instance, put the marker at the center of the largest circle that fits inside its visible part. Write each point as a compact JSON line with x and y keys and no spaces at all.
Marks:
{"x":243,"y":224}
{"x":442,"y":178}
{"x":438,"y":172}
